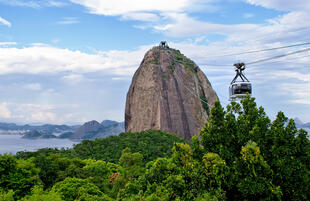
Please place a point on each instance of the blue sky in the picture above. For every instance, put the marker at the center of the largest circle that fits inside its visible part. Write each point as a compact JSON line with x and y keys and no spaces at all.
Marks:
{"x":72,"y":61}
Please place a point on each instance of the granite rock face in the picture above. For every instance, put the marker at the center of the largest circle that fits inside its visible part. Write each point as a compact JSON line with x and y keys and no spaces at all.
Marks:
{"x":168,"y":92}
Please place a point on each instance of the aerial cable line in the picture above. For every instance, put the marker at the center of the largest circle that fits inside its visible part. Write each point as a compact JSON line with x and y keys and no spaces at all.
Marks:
{"x":208,"y":64}
{"x":293,"y":58}
{"x":261,"y":60}
{"x":255,"y":51}
{"x":240,"y":65}
{"x":268,"y":49}
{"x":214,"y":64}
{"x":266,"y":36}
{"x":297,"y":57}
{"x":222,"y":65}
{"x":279,"y":56}
{"x":288,"y":64}
{"x":285,"y":61}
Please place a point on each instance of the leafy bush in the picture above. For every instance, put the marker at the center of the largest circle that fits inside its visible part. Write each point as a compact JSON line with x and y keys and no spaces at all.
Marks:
{"x":73,"y":189}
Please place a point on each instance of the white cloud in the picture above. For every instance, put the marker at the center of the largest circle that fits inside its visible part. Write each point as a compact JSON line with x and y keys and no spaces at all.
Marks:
{"x":200,"y":39}
{"x":285,"y":28}
{"x":120,"y":7}
{"x":34,"y":4}
{"x":5,"y":22}
{"x":36,"y":113}
{"x":286,"y":5}
{"x":44,"y":117}
{"x":33,"y":86}
{"x":56,"y":3}
{"x":46,"y":59}
{"x":71,"y":66}
{"x":23,"y":113}
{"x":7,"y":43}
{"x":120,"y":78}
{"x":73,"y":78}
{"x":174,"y":17}
{"x":69,"y":20}
{"x":31,"y":4}
{"x":4,"y":111}
{"x":184,"y":26}
{"x":148,"y":17}
{"x":301,"y":101}
{"x":145,"y":10}
{"x":39,"y":44}
{"x":304,"y":77}
{"x":30,"y":113}
{"x":297,"y":92}
{"x":176,"y":20}
{"x":30,"y":108}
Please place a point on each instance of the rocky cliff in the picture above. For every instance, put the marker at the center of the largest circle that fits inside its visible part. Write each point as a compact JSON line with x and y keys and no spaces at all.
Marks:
{"x":168,"y":92}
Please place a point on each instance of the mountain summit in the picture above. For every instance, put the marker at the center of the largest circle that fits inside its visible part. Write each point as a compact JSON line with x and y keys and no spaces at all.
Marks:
{"x":168,"y":92}
{"x":93,"y":129}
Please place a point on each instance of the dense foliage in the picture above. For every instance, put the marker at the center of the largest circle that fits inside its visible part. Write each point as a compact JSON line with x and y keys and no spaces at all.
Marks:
{"x":240,"y":155}
{"x":151,"y":144}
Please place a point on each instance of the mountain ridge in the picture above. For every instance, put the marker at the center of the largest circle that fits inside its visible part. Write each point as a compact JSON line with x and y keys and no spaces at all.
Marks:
{"x":300,"y":124}
{"x":89,"y":130}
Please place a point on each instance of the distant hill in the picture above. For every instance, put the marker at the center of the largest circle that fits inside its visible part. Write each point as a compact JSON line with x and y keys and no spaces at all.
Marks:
{"x":89,"y":130}
{"x":46,"y":128}
{"x":65,"y":135}
{"x":94,"y":129}
{"x":109,"y":122}
{"x":300,"y":124}
{"x":34,"y":134}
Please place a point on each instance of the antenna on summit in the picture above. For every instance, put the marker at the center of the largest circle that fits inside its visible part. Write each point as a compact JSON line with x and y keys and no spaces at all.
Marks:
{"x":164,"y":45}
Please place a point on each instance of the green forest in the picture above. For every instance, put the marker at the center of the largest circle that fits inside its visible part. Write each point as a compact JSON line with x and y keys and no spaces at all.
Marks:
{"x":240,"y":154}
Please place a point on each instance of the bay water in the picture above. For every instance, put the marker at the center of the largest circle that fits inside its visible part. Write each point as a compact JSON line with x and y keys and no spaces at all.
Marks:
{"x":14,"y":143}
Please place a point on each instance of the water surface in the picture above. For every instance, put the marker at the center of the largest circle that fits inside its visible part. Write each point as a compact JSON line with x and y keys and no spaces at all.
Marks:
{"x":15,"y":143}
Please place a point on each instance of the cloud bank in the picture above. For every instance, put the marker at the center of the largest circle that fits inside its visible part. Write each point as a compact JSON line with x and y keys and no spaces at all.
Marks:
{"x":47,"y":59}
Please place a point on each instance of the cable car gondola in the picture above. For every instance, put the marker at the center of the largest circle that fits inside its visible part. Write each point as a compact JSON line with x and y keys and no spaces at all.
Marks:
{"x":239,"y":89}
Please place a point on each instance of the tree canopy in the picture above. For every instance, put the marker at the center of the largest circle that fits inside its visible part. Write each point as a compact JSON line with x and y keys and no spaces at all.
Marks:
{"x":151,"y":144}
{"x":240,"y":154}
